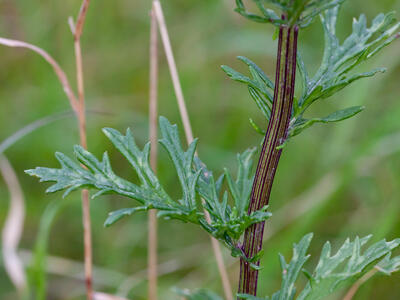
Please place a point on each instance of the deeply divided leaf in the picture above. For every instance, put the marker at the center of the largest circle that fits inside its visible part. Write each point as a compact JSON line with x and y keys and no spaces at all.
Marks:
{"x":338,"y":67}
{"x":333,"y":271}
{"x":296,"y":12}
{"x":199,"y":190}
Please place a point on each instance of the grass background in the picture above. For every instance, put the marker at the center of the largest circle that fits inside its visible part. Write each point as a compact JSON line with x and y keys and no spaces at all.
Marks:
{"x":343,"y":178}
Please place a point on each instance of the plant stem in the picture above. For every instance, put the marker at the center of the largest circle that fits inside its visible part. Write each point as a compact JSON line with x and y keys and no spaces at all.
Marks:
{"x":86,"y":220}
{"x":189,"y":134}
{"x":353,"y":290}
{"x":152,"y":235}
{"x":270,"y":154}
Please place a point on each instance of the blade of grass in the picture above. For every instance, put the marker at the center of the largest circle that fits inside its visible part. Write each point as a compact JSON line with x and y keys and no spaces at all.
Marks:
{"x":188,"y":131}
{"x":12,"y":139}
{"x":152,"y":234}
{"x":38,"y":267}
{"x":13,"y":228}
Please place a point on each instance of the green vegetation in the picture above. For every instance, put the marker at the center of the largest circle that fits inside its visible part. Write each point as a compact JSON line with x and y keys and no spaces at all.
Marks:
{"x":342,"y":180}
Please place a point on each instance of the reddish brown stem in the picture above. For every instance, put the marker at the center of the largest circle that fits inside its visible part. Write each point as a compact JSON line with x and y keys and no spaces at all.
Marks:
{"x":270,"y":153}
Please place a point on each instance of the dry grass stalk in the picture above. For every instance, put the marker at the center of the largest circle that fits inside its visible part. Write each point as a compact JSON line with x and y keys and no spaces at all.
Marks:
{"x":152,"y":235}
{"x":188,"y":131}
{"x":173,"y":70}
{"x":353,"y":290}
{"x":87,"y":233}
{"x":56,"y":67}
{"x":78,"y":105}
{"x":13,"y":227}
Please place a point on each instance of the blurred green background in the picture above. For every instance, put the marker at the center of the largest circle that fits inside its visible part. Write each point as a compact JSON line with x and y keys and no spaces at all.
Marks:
{"x":335,"y":180}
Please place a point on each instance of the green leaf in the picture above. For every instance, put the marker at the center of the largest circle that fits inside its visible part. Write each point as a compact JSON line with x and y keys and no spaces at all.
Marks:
{"x":182,"y":160}
{"x":228,"y":223}
{"x":299,"y":12}
{"x":200,"y":294}
{"x":301,"y":124}
{"x":262,"y":104}
{"x":339,"y":59}
{"x":259,"y":86}
{"x":333,"y":272}
{"x":138,"y":159}
{"x":117,"y":215}
{"x":226,"y":220}
{"x":269,"y":16}
{"x":241,"y":187}
{"x":256,"y":83}
{"x":331,"y":275}
{"x":37,"y":271}
{"x":291,"y":271}
{"x":337,"y":64}
{"x":257,"y":128}
{"x":389,"y":265}
{"x":100,"y":176}
{"x":258,"y":71}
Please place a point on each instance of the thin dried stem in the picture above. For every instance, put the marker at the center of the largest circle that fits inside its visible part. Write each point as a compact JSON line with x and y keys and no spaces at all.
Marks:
{"x":81,"y":19}
{"x":86,"y":219}
{"x":152,"y":235}
{"x":353,"y":290}
{"x":78,"y":105}
{"x":13,"y":227}
{"x":56,"y":67}
{"x":188,"y":132}
{"x":173,"y":70}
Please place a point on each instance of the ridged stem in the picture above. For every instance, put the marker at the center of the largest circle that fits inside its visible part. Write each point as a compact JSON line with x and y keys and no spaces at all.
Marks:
{"x":270,"y":153}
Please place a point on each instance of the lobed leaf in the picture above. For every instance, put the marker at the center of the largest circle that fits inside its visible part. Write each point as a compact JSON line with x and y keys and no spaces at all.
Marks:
{"x":340,"y":115}
{"x":329,"y":276}
{"x":389,"y":265}
{"x":228,"y":223}
{"x":260,"y":88}
{"x":339,"y":59}
{"x":200,"y":294}
{"x":333,"y":272}
{"x":336,"y":71}
{"x":241,"y":187}
{"x":297,"y":12}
